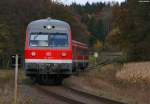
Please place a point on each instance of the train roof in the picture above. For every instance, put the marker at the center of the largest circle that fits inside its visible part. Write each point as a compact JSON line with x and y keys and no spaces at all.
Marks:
{"x":77,"y":43}
{"x":48,"y":21}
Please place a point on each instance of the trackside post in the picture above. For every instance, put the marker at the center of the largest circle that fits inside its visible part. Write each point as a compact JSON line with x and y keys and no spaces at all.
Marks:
{"x":16,"y":79}
{"x":96,"y":56}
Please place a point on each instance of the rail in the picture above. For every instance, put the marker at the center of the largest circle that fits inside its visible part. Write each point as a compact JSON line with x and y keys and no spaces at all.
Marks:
{"x":77,"y":96}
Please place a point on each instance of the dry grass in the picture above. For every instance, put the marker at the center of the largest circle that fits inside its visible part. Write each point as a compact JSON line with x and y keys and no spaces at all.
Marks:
{"x":7,"y":88}
{"x":114,"y":81}
{"x":135,"y":72}
{"x":25,"y":100}
{"x":100,"y":82}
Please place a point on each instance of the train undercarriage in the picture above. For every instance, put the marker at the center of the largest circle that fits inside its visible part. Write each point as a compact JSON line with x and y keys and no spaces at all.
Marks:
{"x":51,"y":73}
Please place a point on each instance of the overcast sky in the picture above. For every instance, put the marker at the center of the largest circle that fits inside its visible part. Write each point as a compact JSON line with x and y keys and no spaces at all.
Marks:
{"x":84,"y":1}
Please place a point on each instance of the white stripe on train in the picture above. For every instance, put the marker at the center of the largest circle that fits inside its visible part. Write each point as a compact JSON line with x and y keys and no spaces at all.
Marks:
{"x":52,"y":61}
{"x":47,"y":61}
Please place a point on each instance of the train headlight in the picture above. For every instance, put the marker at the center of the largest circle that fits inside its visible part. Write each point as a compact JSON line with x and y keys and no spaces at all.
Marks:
{"x":33,"y":54}
{"x":64,"y":54}
{"x":48,"y":54}
{"x":49,"y":27}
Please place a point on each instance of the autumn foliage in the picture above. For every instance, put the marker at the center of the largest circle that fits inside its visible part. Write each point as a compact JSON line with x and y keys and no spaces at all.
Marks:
{"x":15,"y":16}
{"x":130,"y":29}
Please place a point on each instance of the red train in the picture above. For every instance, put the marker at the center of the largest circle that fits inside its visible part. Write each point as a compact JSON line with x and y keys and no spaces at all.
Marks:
{"x":50,"y":52}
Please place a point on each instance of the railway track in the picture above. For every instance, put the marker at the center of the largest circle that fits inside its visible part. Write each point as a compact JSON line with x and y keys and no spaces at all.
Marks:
{"x":73,"y":96}
{"x":57,"y":96}
{"x":101,"y":99}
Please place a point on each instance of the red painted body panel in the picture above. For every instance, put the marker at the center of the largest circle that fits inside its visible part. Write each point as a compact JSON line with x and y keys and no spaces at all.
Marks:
{"x":41,"y":53}
{"x":72,"y":52}
{"x":77,"y":47}
{"x":48,"y":54}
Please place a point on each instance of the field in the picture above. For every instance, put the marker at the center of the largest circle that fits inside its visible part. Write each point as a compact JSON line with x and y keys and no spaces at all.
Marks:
{"x":116,"y":81}
{"x":7,"y":88}
{"x":128,"y":83}
{"x":135,"y":73}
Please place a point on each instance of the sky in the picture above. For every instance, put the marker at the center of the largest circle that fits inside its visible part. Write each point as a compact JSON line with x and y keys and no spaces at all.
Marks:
{"x":84,"y":1}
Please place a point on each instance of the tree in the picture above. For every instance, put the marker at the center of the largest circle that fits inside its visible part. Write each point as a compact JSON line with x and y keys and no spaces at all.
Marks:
{"x":17,"y":14}
{"x":100,"y":30}
{"x":132,"y":18}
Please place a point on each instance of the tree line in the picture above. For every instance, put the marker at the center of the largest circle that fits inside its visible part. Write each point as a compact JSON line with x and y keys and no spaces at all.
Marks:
{"x":97,"y":19}
{"x":131,"y":29}
{"x":121,"y":27}
{"x":15,"y":16}
{"x":104,"y":26}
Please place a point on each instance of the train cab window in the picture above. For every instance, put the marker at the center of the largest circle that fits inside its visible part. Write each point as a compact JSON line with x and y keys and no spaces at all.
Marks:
{"x":58,"y":40}
{"x":53,"y":40}
{"x":39,"y":40}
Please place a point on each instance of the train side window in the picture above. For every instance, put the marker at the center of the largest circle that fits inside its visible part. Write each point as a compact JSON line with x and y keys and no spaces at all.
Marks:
{"x":82,"y":52}
{"x":85,"y":52}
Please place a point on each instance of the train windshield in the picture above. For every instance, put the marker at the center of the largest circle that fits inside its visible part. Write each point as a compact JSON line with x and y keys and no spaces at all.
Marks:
{"x":49,"y":40}
{"x":58,"y":40}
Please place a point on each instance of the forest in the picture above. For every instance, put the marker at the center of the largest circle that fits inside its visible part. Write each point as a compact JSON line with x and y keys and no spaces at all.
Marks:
{"x":121,"y":27}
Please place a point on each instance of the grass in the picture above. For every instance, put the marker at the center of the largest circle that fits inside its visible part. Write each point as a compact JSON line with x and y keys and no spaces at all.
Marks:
{"x":113,"y":81}
{"x":137,"y":74}
{"x":7,"y":87}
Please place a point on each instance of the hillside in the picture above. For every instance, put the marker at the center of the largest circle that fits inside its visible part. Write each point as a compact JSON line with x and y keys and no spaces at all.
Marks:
{"x":15,"y":16}
{"x":103,"y":26}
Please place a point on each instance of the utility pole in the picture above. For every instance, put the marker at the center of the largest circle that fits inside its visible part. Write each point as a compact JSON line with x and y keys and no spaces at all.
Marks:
{"x":16,"y":79}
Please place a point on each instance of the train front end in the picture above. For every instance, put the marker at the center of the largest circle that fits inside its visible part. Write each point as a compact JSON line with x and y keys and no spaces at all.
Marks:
{"x":48,"y":49}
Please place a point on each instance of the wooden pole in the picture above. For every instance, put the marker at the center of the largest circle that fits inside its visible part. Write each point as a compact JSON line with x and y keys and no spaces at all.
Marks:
{"x":16,"y":80}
